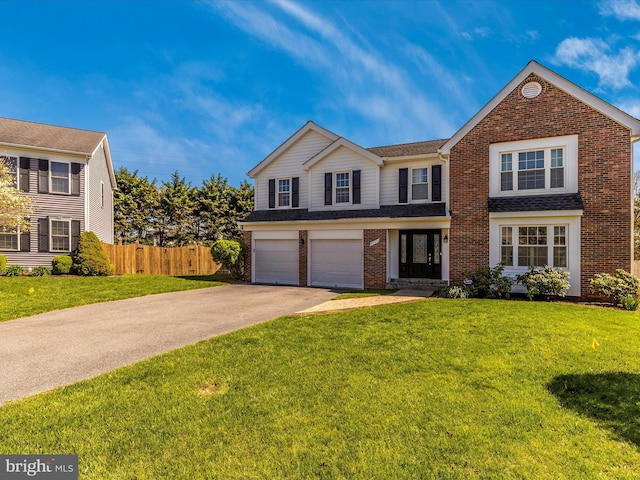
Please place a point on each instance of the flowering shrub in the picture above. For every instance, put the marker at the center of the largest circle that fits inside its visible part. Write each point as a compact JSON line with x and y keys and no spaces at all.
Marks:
{"x":616,"y":287}
{"x":545,"y":282}
{"x":489,"y":282}
{"x":455,"y":291}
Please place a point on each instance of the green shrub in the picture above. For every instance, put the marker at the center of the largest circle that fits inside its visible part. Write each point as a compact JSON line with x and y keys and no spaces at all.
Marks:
{"x":13,"y":271}
{"x":615,"y":287}
{"x":61,"y":265}
{"x":229,"y":253}
{"x":630,"y":303}
{"x":40,"y":271}
{"x":3,"y":263}
{"x":455,"y":291}
{"x":545,"y":282}
{"x":90,"y":259}
{"x":489,"y":282}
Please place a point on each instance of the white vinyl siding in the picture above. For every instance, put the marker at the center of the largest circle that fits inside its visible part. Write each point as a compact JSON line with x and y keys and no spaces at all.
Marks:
{"x":336,"y":263}
{"x":100,"y":197}
{"x":344,"y":160}
{"x":289,"y":165}
{"x":389,"y":180}
{"x":276,"y":261}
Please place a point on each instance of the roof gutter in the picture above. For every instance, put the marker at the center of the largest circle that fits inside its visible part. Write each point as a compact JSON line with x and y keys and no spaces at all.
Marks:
{"x":45,"y":149}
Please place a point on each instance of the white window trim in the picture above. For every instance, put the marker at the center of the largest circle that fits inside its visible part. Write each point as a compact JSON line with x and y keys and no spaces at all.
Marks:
{"x":335,"y":187}
{"x":568,"y":143}
{"x":419,"y":200}
{"x":51,"y":220}
{"x":278,"y":192}
{"x":68,"y":164}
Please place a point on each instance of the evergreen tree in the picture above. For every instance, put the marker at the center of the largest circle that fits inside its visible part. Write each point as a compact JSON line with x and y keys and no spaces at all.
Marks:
{"x":135,"y":204}
{"x":176,"y":222}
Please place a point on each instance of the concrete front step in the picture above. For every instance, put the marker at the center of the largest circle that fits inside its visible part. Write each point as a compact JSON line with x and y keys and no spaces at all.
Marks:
{"x":417,"y":284}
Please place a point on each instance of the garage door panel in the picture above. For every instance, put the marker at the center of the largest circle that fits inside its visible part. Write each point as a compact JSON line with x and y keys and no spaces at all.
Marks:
{"x":276,"y":261}
{"x":336,"y":263}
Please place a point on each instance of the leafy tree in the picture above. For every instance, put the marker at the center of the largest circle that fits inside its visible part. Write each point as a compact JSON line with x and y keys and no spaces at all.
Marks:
{"x":135,"y":203}
{"x":175,"y":221}
{"x":229,"y":253}
{"x":14,"y":206}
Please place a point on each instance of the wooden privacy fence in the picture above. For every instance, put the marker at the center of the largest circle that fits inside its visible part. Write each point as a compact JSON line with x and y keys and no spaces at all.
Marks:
{"x":134,"y":258}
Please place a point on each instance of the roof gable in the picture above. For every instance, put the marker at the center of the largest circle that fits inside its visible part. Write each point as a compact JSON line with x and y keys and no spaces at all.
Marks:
{"x":560,"y":82}
{"x":342,"y":142}
{"x":307,"y":127}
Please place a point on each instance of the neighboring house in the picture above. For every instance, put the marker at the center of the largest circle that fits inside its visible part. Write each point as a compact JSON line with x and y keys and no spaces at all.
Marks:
{"x":69,"y":174}
{"x":542,"y":175}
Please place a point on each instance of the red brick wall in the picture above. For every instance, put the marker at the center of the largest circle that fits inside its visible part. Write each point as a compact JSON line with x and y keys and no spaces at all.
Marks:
{"x":604,"y":177}
{"x":303,"y":242}
{"x":375,"y":259}
{"x":246,"y":237}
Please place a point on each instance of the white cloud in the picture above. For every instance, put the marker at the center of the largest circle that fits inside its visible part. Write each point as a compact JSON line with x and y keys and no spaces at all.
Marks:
{"x":593,"y":55}
{"x":621,"y":9}
{"x":371,"y":85}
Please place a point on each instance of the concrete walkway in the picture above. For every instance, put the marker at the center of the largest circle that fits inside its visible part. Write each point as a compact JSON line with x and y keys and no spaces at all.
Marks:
{"x":58,"y":348}
{"x":401,"y":296}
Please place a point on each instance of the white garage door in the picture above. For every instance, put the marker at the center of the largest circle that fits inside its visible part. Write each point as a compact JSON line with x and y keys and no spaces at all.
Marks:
{"x":276,"y":261}
{"x":336,"y":263}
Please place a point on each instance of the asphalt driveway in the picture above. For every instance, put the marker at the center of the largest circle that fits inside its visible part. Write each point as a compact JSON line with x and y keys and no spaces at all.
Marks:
{"x":59,"y":348}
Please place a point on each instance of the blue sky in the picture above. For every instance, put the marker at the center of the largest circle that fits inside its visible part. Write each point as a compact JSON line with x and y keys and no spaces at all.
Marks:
{"x":208,"y":87}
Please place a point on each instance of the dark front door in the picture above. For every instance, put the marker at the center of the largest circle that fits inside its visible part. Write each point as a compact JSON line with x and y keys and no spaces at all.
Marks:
{"x":420,"y":254}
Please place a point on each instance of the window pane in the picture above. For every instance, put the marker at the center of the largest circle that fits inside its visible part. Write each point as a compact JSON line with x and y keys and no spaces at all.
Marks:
{"x":530,"y":179}
{"x":557,"y":178}
{"x":420,"y":251}
{"x":283,"y":199}
{"x":506,"y":181}
{"x":419,"y":175}
{"x":59,"y":177}
{"x":556,"y":157}
{"x":506,"y":255}
{"x":283,"y":185}
{"x":531,"y":160}
{"x":59,"y":169}
{"x":8,"y":241}
{"x":342,"y":180}
{"x":59,"y":228}
{"x":60,"y":243}
{"x":403,"y":248}
{"x":506,"y":162}
{"x":560,"y":257}
{"x":420,"y":192}
{"x":436,"y":248}
{"x":559,"y":235}
{"x":60,"y":185}
{"x":532,"y":235}
{"x":342,"y":195}
{"x":506,"y":249}
{"x":532,"y":256}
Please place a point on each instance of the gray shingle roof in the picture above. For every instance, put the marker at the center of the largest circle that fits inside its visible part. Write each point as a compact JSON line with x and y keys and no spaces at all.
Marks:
{"x":564,"y":201}
{"x":409,"y":149}
{"x":388,"y":211}
{"x":49,"y":137}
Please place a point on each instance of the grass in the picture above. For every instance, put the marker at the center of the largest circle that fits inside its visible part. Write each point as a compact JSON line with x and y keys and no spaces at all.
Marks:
{"x":24,"y":296}
{"x":450,"y":389}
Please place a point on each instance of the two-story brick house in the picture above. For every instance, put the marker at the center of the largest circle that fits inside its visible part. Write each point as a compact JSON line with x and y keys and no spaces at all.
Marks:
{"x":542,"y":175}
{"x":69,"y":174}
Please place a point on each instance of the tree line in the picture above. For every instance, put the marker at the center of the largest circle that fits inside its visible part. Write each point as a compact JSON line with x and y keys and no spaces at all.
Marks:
{"x":175,"y":213}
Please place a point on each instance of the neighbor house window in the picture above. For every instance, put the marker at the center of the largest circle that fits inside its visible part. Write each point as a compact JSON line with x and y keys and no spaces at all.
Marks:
{"x":59,"y":177}
{"x":60,"y":236}
{"x":8,"y":240}
{"x":533,"y":246}
{"x":419,"y":184}
{"x":531,"y":170}
{"x":284,"y":192}
{"x":343,"y":187}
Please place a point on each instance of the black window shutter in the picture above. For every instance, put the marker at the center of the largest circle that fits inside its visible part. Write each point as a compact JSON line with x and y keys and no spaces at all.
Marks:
{"x":75,"y":234}
{"x":43,"y":178}
{"x":25,"y":166}
{"x":272,"y":193}
{"x":75,"y":179}
{"x":403,"y":185}
{"x":25,"y":242}
{"x":43,"y":234}
{"x":356,"y":187}
{"x":328,"y":189}
{"x":436,"y":183}
{"x":295,"y":192}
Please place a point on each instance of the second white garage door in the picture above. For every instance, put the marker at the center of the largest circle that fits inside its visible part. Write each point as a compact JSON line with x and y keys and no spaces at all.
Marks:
{"x":276,"y":261}
{"x":336,"y":263}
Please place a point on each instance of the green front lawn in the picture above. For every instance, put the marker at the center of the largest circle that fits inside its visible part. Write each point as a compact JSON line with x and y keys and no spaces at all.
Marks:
{"x":24,"y":296}
{"x":433,"y":389}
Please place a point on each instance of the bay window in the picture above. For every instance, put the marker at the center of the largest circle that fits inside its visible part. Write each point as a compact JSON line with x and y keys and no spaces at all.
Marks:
{"x":533,"y":246}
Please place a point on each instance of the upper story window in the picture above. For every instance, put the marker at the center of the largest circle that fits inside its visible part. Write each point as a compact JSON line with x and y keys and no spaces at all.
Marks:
{"x":420,"y":184}
{"x":343,"y":187}
{"x":528,"y":167}
{"x":59,"y":177}
{"x":284,"y":192}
